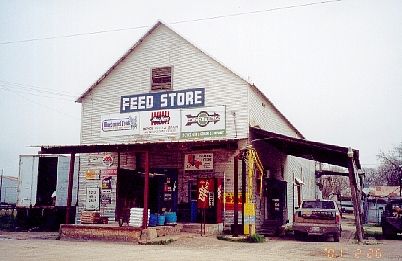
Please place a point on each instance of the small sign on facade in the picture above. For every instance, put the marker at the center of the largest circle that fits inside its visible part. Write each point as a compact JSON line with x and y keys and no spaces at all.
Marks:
{"x":200,"y":161}
{"x":163,"y":122}
{"x":119,"y":124}
{"x":203,"y":122}
{"x":92,"y":201}
{"x":92,"y":174}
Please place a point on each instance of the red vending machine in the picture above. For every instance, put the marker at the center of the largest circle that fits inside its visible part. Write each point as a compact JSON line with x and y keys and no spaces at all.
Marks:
{"x":210,"y":199}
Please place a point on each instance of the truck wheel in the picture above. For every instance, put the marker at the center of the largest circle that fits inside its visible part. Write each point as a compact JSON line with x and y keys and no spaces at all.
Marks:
{"x":388,"y":232}
{"x":299,"y":235}
{"x":336,"y":237}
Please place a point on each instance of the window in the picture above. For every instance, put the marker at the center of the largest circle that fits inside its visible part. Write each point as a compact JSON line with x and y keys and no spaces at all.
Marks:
{"x":161,"y":78}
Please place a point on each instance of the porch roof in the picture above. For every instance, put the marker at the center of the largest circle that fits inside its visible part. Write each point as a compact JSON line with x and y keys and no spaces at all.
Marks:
{"x":326,"y":153}
{"x":136,"y":146}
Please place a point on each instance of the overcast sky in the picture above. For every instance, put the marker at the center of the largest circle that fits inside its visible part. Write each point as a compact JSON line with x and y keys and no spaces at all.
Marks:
{"x":333,"y":69}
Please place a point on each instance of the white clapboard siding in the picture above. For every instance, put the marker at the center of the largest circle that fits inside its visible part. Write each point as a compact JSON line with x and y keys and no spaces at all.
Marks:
{"x":264,"y":115}
{"x":191,"y":69}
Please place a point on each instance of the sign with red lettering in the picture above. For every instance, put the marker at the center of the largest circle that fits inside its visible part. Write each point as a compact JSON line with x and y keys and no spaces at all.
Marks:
{"x":205,"y":186}
{"x":201,"y":161}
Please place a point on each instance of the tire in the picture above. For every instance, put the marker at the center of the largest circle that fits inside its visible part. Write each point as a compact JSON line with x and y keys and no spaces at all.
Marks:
{"x":120,"y":222}
{"x":299,"y":235}
{"x":336,"y":237}
{"x":388,"y":232}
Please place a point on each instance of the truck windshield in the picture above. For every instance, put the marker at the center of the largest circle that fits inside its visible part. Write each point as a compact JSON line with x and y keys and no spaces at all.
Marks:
{"x":319,"y":204}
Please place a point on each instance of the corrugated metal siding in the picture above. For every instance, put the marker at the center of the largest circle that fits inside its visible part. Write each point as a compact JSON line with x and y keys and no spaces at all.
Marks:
{"x":303,"y":170}
{"x":264,"y":115}
{"x":192,"y":68}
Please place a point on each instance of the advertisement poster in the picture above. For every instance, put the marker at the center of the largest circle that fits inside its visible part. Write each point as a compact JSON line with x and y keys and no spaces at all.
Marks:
{"x":92,"y":201}
{"x":203,"y":122}
{"x":201,"y":161}
{"x":164,"y":123}
{"x":205,"y":188}
{"x":106,"y":197}
{"x":107,"y":182}
{"x":92,"y":174}
{"x":119,"y":124}
{"x":229,"y":201}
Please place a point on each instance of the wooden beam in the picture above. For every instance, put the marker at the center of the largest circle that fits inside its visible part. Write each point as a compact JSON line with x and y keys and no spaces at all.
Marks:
{"x":70,"y":187}
{"x":356,"y":200}
{"x":146,"y":191}
{"x":236,"y":196}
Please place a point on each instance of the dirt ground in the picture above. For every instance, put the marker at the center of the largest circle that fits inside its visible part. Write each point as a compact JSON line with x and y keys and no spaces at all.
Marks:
{"x":44,"y":246}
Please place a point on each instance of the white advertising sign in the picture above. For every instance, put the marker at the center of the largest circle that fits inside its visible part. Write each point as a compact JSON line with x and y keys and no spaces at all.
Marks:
{"x":92,"y":202}
{"x":201,"y":161}
{"x":119,"y":124}
{"x":162,"y":122}
{"x":203,"y":122}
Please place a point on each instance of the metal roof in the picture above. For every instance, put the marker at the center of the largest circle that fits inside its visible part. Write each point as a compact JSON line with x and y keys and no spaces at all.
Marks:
{"x":139,"y":146}
{"x":326,"y":153}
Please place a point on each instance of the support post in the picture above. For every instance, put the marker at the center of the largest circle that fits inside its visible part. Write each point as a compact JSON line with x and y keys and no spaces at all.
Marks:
{"x":355,"y":198}
{"x":236,"y":196}
{"x":70,"y":187}
{"x":243,"y":190}
{"x":146,"y":191}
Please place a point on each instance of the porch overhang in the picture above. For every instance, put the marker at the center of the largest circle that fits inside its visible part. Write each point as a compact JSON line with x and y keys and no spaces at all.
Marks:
{"x":137,"y":146}
{"x":325,"y":153}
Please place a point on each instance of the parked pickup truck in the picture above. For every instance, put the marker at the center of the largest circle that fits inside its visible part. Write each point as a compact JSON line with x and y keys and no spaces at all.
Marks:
{"x":317,"y":217}
{"x":391,"y":220}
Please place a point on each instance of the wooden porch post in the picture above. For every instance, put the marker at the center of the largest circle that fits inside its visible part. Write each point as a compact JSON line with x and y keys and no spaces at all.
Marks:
{"x":236,"y":196}
{"x":146,"y":191}
{"x":70,"y":187}
{"x":355,"y":197}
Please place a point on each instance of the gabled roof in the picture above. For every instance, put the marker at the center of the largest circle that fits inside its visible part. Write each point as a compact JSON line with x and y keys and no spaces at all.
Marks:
{"x":149,"y":32}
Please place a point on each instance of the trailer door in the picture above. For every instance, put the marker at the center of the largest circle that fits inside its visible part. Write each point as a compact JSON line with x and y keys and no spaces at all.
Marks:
{"x":27,"y":181}
{"x":63,"y":167}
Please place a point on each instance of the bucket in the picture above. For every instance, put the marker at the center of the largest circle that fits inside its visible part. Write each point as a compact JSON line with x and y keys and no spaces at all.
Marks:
{"x":161,"y":220}
{"x":170,"y":218}
{"x":153,"y":220}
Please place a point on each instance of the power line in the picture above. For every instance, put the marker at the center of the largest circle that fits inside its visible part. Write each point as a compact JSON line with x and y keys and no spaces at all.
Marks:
{"x":43,"y":105}
{"x":38,"y":89}
{"x":176,"y":22}
{"x":35,"y":94}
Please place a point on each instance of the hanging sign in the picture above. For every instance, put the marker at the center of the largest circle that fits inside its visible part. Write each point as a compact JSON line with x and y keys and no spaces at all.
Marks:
{"x":163,"y":122}
{"x":119,"y":124}
{"x":203,"y":122}
{"x":200,"y":161}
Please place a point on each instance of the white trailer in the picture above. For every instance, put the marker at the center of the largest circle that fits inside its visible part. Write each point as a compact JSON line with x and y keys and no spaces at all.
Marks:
{"x":40,"y":176}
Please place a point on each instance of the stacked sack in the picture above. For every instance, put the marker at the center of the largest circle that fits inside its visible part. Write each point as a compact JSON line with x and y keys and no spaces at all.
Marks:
{"x":136,"y":217}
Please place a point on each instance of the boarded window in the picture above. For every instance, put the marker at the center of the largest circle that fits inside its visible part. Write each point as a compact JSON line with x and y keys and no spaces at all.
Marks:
{"x":161,"y":78}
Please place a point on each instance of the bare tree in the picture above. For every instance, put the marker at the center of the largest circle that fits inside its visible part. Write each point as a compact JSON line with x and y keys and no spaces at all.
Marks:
{"x":390,"y":170}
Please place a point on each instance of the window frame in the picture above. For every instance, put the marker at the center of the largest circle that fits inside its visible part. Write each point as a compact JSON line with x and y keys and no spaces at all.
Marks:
{"x":161,"y":88}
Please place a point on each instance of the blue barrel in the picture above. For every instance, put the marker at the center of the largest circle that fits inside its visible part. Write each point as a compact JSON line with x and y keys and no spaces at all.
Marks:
{"x":153,"y":220}
{"x":171,"y":218}
{"x":161,"y":220}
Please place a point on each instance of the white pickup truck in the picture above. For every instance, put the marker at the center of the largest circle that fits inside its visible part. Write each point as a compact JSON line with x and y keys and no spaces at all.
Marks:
{"x":317,"y":217}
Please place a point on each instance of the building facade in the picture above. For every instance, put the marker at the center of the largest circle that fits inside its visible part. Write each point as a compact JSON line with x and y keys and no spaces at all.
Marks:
{"x":192,"y":115}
